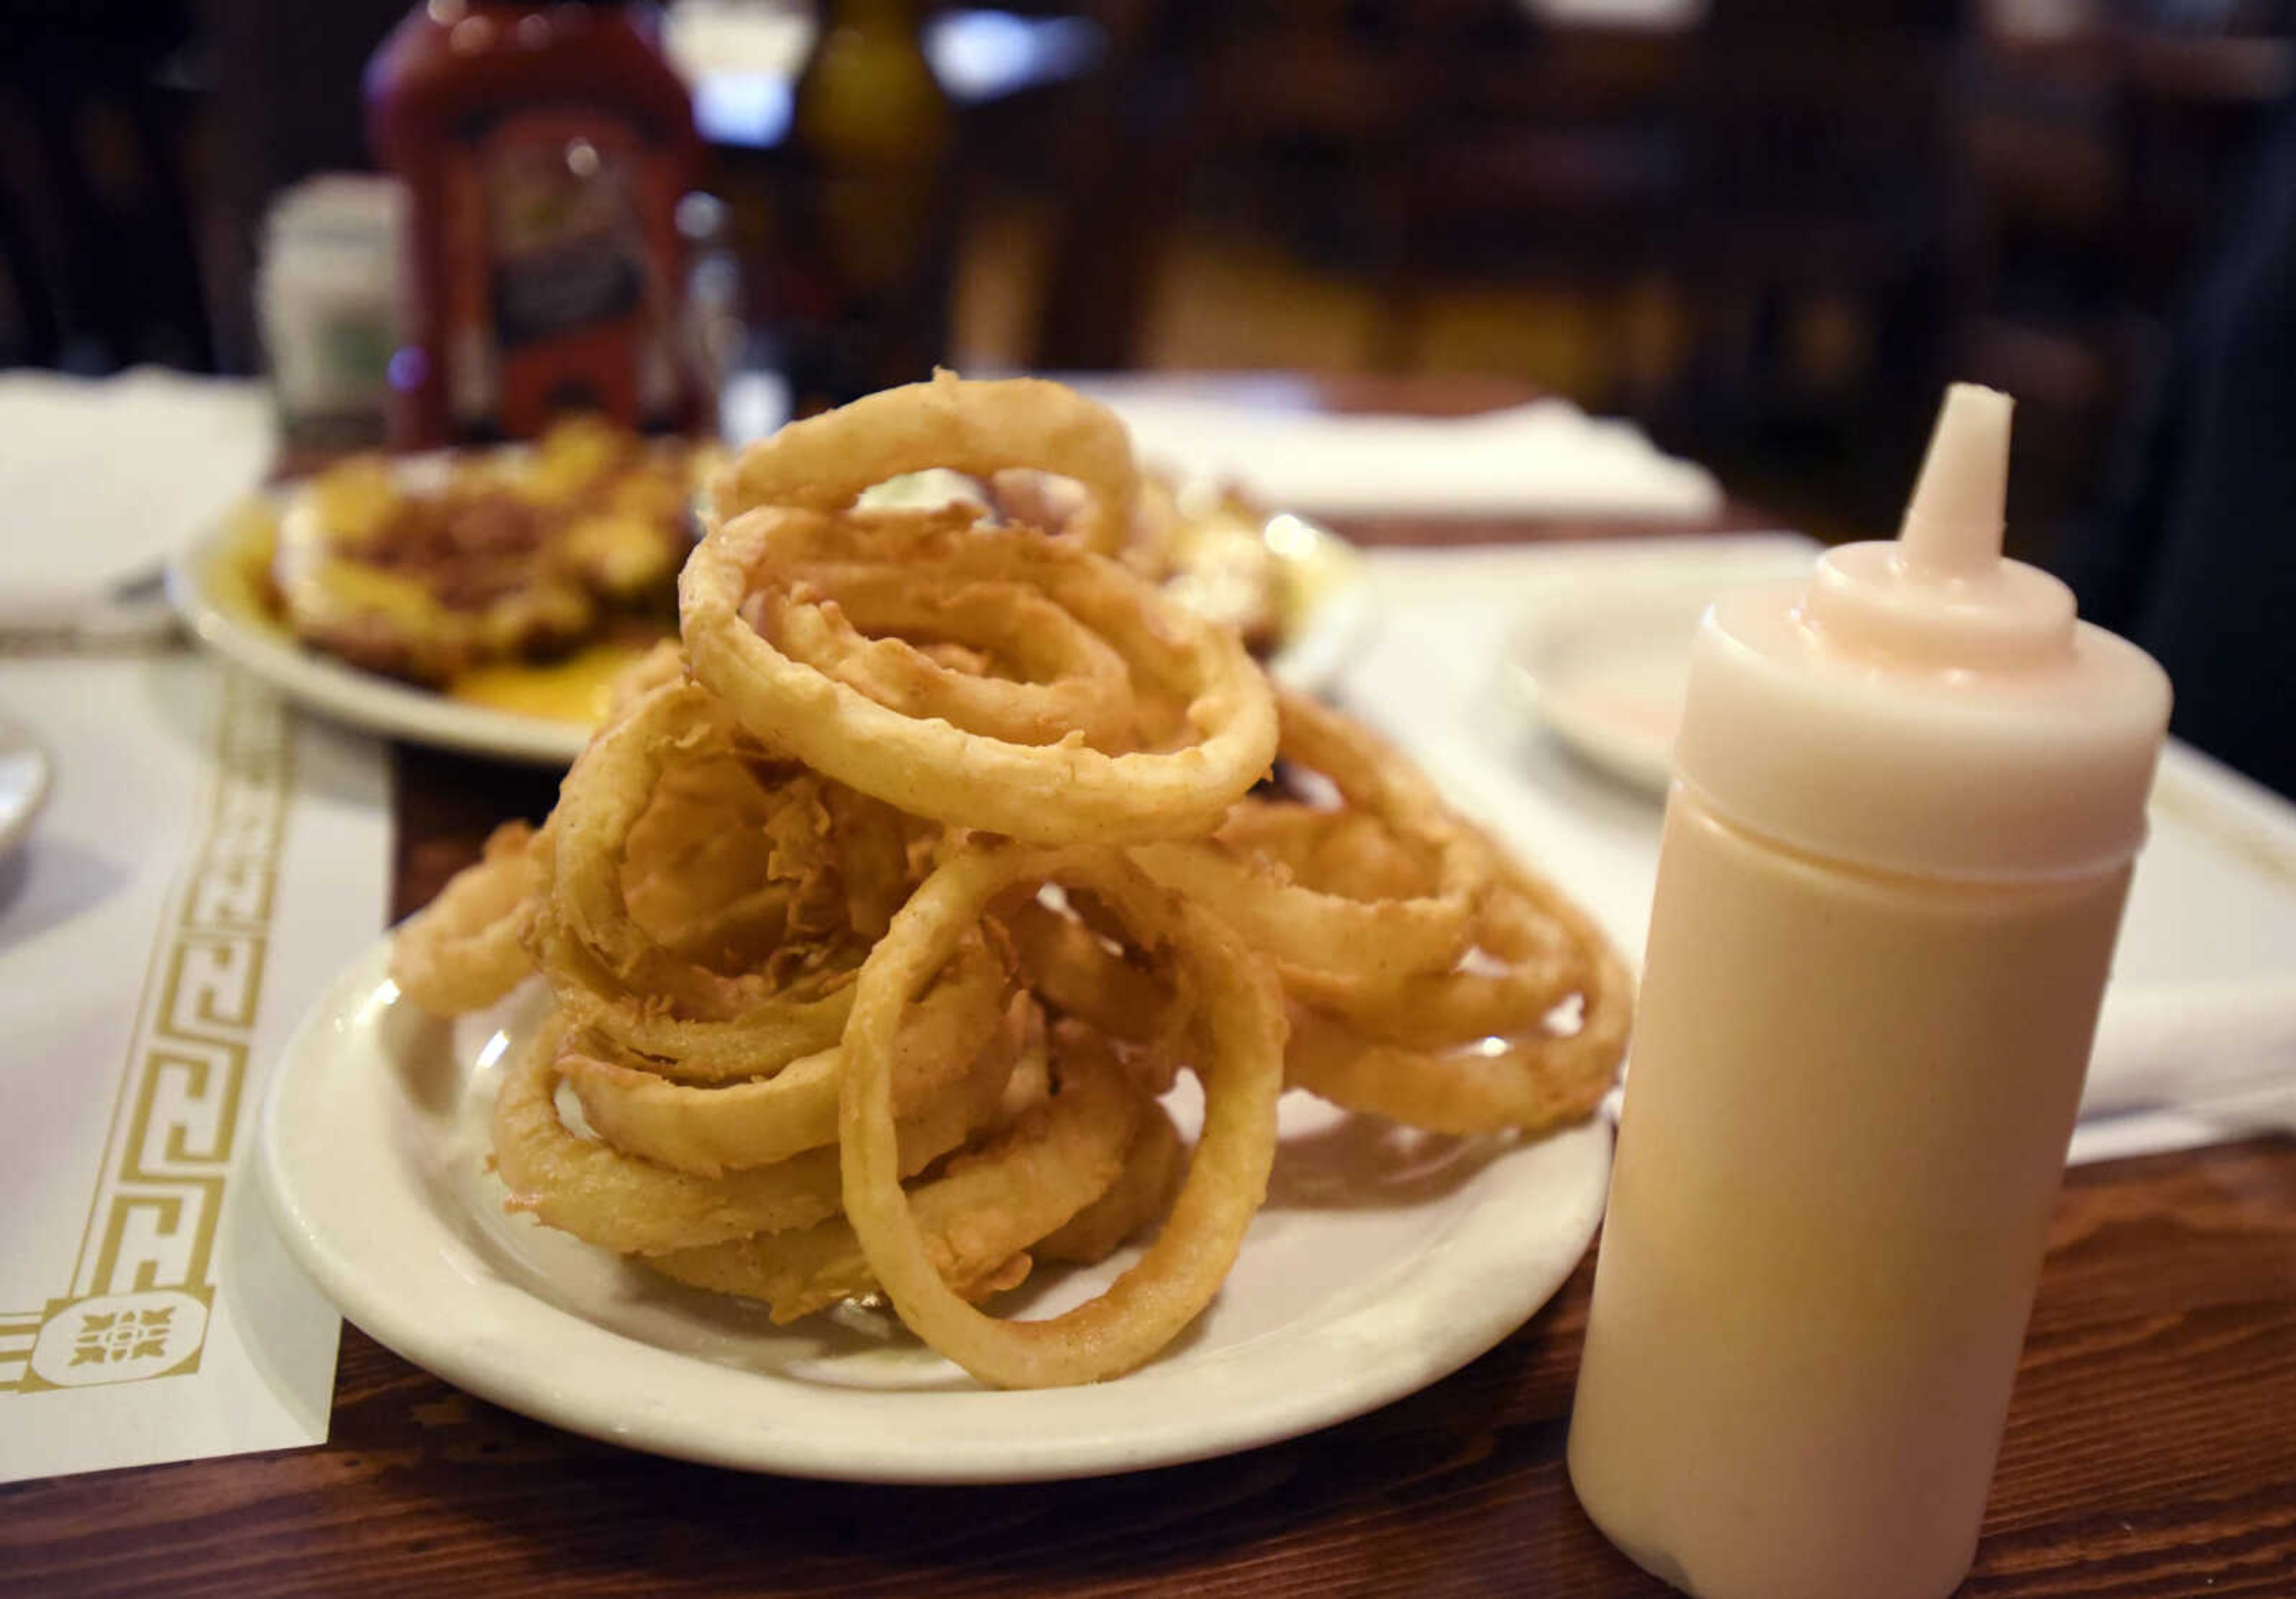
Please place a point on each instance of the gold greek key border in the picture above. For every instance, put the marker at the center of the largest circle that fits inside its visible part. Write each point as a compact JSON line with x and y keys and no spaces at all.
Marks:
{"x":152,"y":1221}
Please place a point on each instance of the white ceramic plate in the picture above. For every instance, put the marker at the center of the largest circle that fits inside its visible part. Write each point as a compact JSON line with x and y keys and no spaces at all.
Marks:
{"x":24,"y":773}
{"x":365,"y":700}
{"x":1317,"y":648}
{"x":1383,"y":1260}
{"x":1602,"y":655}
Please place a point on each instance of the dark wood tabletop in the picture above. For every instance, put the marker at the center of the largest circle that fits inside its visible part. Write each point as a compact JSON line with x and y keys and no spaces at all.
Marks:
{"x":2151,"y":1447}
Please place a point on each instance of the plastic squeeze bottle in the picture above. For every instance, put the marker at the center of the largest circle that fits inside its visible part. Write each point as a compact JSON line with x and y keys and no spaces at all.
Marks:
{"x":1908,"y":791}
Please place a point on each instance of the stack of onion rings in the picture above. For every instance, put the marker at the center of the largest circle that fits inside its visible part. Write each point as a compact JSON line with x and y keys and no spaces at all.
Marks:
{"x":878,"y":917}
{"x":1425,"y":967}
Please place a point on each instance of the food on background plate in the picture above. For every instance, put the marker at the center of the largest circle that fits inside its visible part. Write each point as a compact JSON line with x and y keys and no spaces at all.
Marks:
{"x":1209,"y":546}
{"x":517,"y":555}
{"x":883,"y":912}
{"x":827,"y":463}
{"x":524,"y":578}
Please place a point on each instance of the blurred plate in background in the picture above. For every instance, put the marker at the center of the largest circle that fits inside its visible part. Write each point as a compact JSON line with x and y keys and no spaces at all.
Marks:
{"x":214,"y":593}
{"x":1602,"y":658}
{"x":24,"y":773}
{"x":213,"y":585}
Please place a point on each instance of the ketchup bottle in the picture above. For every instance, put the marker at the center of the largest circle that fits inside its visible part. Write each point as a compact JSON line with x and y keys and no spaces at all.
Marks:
{"x":544,"y":149}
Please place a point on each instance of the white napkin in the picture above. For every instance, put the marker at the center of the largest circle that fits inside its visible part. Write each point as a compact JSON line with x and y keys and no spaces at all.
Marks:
{"x":103,"y":478}
{"x":2200,"y":1015}
{"x":204,"y":864}
{"x":1544,"y":459}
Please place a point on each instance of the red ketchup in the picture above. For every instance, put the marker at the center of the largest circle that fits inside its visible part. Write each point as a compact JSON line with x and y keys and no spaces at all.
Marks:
{"x":544,"y":149}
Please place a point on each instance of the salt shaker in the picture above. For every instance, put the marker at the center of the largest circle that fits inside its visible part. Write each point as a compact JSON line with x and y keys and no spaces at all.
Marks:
{"x":1909,"y":791}
{"x":327,"y":293}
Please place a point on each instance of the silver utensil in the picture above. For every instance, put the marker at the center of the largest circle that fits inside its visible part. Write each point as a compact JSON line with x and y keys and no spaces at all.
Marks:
{"x":131,"y":615}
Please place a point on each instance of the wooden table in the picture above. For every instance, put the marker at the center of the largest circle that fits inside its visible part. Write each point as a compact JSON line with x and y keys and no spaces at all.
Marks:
{"x":2151,"y":1447}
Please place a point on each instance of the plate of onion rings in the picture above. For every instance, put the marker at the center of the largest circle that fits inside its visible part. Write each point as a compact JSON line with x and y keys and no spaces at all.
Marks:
{"x":1382,"y":1262}
{"x":961,"y":1020}
{"x":484,"y":600}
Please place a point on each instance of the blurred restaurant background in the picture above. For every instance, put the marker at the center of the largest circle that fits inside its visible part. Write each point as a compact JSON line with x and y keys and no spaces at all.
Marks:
{"x":1768,"y":232}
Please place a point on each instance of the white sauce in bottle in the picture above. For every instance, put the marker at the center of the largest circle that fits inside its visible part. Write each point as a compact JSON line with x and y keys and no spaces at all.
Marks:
{"x":1908,"y":795}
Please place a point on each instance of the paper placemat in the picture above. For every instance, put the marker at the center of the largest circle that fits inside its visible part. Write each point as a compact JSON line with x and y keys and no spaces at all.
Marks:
{"x":2204,"y":992}
{"x":206,"y":861}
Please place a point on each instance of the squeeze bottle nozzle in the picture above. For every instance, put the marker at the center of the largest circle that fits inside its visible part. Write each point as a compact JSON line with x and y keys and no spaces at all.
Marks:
{"x":1923,"y":704}
{"x":1952,"y":522}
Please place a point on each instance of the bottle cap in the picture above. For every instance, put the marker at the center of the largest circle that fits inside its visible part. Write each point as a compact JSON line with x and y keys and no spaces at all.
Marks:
{"x":1925,"y":706}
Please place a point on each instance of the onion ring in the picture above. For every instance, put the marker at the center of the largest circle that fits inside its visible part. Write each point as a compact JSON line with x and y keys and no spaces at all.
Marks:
{"x":1301,"y":927}
{"x":1067,"y":965}
{"x":599,"y":807}
{"x":633,"y":1207}
{"x":697,"y":866}
{"x":464,"y":950}
{"x":1342,"y":851}
{"x":709,"y":1130}
{"x":1069,"y":679}
{"x":977,"y":428}
{"x":1533,"y":950}
{"x":1228,"y":1178}
{"x":1060,"y":792}
{"x":611,"y":975}
{"x":1536,"y":1079}
{"x":978,"y":1215}
{"x":803,"y":1018}
{"x":664,"y":661}
{"x":1152,"y":1169}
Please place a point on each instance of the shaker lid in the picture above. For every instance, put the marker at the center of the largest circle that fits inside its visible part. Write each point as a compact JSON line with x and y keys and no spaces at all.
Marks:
{"x":1924,"y":705}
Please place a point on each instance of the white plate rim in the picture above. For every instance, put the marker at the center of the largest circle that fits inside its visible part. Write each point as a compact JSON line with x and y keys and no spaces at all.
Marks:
{"x":1479,"y":1279}
{"x":1580,"y":598}
{"x":18,"y":741}
{"x":364,"y":700}
{"x":1307,"y":663}
{"x":1627,"y":752}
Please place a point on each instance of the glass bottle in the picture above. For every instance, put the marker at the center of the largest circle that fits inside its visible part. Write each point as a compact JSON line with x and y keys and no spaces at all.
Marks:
{"x":544,"y":149}
{"x":869,"y":219}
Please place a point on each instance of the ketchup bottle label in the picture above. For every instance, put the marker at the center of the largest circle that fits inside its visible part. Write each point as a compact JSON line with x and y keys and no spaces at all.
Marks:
{"x":552,"y":227}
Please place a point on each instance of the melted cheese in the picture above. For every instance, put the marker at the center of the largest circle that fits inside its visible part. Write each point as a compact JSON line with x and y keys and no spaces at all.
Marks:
{"x":571,"y":690}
